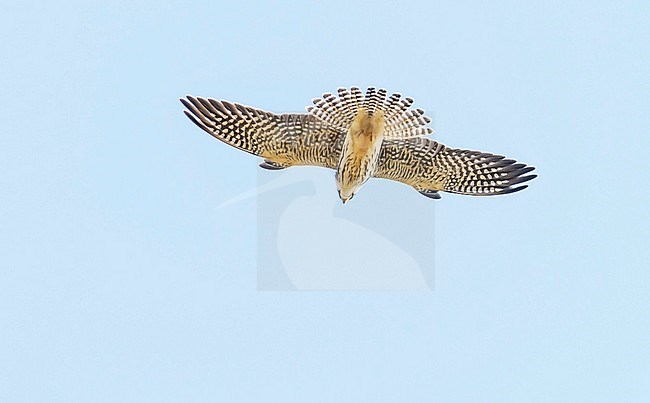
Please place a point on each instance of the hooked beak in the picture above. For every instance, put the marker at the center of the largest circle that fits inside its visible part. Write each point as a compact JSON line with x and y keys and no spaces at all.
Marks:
{"x":345,"y":199}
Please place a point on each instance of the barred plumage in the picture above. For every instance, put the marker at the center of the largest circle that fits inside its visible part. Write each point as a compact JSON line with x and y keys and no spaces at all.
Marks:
{"x":361,"y":148}
{"x":400,"y":122}
{"x":367,"y":120}
{"x":285,"y":140}
{"x":428,"y":165}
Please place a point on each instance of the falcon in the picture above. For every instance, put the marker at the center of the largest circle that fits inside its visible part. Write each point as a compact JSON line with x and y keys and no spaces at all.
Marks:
{"x":360,"y":137}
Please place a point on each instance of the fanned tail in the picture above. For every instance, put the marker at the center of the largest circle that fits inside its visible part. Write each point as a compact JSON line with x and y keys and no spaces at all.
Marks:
{"x":400,"y":120}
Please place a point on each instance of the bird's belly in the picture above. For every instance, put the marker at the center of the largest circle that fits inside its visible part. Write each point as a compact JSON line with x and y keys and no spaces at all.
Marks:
{"x":361,"y":162}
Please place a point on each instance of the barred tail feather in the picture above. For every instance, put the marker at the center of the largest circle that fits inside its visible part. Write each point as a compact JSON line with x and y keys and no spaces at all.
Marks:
{"x":401,"y":121}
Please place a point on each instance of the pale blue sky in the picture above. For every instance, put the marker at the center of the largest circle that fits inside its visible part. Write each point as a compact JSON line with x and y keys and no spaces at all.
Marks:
{"x":121,"y":281}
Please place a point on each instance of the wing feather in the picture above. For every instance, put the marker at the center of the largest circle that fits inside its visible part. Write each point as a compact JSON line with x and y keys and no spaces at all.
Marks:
{"x":303,"y":139}
{"x":430,"y":166}
{"x":284,"y":139}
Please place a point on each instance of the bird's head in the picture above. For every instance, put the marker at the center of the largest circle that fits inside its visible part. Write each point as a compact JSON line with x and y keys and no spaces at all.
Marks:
{"x":345,"y":196}
{"x":346,"y":184}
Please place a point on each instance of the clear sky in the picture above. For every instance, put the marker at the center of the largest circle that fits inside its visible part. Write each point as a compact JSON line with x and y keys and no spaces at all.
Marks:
{"x":122,"y":280}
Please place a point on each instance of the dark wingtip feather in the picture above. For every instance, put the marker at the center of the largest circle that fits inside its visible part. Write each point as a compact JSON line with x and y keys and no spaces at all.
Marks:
{"x":513,"y":190}
{"x":184,"y":102}
{"x":511,"y":174}
{"x":526,"y":170}
{"x":521,"y":179}
{"x":197,"y":122}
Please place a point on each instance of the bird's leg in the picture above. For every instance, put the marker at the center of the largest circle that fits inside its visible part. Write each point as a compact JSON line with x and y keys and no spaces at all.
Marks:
{"x":432,"y":194}
{"x":273,"y":166}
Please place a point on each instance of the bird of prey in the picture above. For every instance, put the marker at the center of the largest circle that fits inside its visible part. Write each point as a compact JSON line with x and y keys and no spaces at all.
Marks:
{"x":366,"y":122}
{"x":360,"y":137}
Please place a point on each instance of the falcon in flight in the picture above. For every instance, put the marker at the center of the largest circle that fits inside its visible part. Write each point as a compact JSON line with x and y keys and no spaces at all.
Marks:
{"x":361,"y":137}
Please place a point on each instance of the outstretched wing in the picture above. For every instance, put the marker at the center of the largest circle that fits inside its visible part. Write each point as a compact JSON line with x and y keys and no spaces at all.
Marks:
{"x":282,"y":140}
{"x":400,"y":120}
{"x":301,"y":139}
{"x":429,"y":166}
